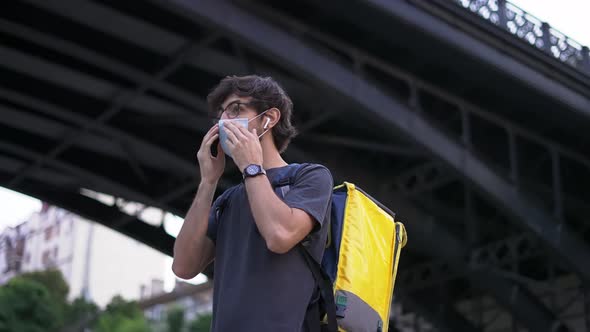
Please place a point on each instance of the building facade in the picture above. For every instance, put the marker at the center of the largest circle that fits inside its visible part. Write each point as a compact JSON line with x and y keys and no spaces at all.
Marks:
{"x":12,"y":243}
{"x":194,"y":300}
{"x":97,"y":262}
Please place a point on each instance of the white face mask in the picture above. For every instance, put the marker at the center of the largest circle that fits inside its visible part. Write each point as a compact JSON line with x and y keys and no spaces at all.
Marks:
{"x":240,"y":122}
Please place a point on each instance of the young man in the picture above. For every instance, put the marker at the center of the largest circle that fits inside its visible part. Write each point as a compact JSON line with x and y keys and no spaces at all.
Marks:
{"x":262,"y":282}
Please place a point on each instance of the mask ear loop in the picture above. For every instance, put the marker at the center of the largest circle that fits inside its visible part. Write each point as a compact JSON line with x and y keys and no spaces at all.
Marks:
{"x":265,"y":125}
{"x":264,"y":132}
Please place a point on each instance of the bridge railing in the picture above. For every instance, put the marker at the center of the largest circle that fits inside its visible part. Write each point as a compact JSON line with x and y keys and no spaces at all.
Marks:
{"x":529,"y":28}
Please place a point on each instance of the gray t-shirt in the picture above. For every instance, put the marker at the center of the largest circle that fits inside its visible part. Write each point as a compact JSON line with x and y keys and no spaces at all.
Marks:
{"x":256,"y":290}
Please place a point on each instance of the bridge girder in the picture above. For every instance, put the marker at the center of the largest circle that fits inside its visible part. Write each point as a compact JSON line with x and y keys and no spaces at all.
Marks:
{"x":294,"y":53}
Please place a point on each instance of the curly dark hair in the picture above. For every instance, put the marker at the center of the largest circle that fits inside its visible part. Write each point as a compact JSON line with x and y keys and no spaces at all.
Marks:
{"x":266,"y":93}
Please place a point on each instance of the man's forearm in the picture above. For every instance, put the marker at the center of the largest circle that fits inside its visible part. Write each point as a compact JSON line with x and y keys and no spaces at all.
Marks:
{"x":189,"y":245}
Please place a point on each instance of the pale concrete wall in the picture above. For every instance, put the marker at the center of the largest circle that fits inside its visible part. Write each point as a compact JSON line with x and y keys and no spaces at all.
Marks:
{"x":115,"y":263}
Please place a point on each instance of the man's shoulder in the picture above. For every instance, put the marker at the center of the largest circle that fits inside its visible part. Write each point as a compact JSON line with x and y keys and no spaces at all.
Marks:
{"x":314,"y":170}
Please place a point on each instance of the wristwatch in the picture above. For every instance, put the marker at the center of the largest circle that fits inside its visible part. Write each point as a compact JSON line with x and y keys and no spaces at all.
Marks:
{"x":253,"y":170}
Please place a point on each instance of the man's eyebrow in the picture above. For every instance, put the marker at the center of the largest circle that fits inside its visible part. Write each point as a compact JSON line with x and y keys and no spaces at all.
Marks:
{"x":231,"y":102}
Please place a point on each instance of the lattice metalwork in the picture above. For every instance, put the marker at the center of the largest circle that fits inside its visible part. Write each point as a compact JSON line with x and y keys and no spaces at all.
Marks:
{"x":494,"y":255}
{"x":487,"y":9}
{"x":524,"y":26}
{"x":531,"y":29}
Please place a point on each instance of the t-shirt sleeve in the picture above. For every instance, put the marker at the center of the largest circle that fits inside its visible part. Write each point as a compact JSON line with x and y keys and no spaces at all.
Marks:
{"x":311,"y":192}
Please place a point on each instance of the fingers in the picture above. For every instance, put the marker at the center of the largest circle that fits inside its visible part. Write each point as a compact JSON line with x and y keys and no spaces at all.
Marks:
{"x":212,"y":131}
{"x":220,"y":153}
{"x":210,"y":140}
{"x":241,"y":133}
{"x":231,"y":136}
{"x":245,"y":132}
{"x":205,"y":149}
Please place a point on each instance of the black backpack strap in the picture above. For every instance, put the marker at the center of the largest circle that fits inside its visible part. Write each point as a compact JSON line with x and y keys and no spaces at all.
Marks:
{"x":326,"y":302}
{"x":288,"y":176}
{"x":326,"y":291}
{"x":223,"y":199}
{"x":312,"y":315}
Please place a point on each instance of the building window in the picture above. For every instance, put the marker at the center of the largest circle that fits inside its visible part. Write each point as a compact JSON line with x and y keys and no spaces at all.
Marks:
{"x":46,"y":259}
{"x":48,"y":233}
{"x":55,"y":254}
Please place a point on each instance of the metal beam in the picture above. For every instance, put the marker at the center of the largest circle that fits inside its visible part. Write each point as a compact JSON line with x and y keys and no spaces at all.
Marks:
{"x":293,"y":53}
{"x":91,"y":209}
{"x":491,"y":257}
{"x":387,"y":148}
{"x":443,"y":316}
{"x":428,"y":235}
{"x":181,"y":190}
{"x":68,"y":78}
{"x":184,"y":119}
{"x":416,"y":17}
{"x":162,"y":42}
{"x":9,"y":165}
{"x":416,"y":84}
{"x":144,"y":150}
{"x":122,"y":26}
{"x":88,"y":179}
{"x":123,"y":97}
{"x":149,"y":154}
{"x":96,"y":59}
{"x":423,"y":178}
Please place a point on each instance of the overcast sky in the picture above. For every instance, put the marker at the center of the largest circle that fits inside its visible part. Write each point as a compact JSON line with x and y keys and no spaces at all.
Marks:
{"x":568,"y":16}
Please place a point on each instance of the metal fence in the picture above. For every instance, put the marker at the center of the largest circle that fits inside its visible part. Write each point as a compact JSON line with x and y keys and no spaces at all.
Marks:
{"x":527,"y":27}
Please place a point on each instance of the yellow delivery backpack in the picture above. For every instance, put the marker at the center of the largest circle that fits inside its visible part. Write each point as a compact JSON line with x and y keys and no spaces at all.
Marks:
{"x":359,"y":266}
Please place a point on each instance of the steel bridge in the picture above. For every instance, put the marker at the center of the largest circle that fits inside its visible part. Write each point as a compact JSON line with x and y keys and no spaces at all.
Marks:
{"x":469,"y":118}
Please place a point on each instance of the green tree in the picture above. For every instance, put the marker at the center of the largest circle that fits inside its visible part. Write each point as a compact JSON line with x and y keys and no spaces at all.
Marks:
{"x":122,"y":316}
{"x":53,"y":280}
{"x":56,"y":286}
{"x":175,"y":319}
{"x":79,"y":313}
{"x":37,"y":302}
{"x":200,"y":324}
{"x":27,"y":306}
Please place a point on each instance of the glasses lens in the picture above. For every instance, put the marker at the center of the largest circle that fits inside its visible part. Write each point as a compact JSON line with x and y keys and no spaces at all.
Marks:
{"x":233,"y":110}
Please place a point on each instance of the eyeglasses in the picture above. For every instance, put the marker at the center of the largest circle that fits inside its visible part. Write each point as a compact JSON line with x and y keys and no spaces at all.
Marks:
{"x":233,"y":109}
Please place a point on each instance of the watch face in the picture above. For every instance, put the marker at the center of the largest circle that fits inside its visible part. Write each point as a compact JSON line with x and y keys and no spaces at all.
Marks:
{"x":252,"y":169}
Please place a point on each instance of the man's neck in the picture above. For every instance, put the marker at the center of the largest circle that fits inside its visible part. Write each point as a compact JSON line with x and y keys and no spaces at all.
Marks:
{"x":272,"y":157}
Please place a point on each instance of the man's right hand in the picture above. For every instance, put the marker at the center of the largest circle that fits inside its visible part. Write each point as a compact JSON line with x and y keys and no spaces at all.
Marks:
{"x":211,"y":167}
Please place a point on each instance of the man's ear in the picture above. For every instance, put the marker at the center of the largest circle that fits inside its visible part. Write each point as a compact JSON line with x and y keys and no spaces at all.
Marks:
{"x":274,"y":115}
